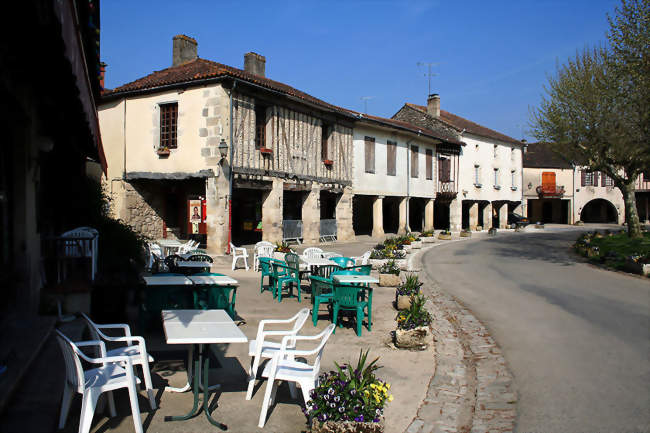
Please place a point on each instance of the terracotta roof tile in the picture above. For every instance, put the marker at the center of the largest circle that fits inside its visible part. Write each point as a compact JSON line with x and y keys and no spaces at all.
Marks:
{"x":460,"y":123}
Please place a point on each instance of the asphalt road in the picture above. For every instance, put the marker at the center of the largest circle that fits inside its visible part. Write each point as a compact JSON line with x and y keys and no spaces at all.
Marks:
{"x":577,"y":338}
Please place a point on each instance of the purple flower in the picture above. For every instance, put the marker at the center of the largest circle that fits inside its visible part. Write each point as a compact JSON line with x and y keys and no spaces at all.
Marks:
{"x":332,"y":405}
{"x":359,"y":418}
{"x":337,"y":399}
{"x":330,"y":391}
{"x":376,"y":420}
{"x":341,"y":409}
{"x":353,"y":391}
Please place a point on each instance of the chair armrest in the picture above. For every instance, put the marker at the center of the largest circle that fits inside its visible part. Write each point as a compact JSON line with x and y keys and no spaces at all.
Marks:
{"x":102,"y":347}
{"x":127,"y":329}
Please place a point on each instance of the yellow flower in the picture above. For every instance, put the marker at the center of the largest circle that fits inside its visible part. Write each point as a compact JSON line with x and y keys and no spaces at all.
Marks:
{"x":387,"y":385}
{"x":390,"y":398}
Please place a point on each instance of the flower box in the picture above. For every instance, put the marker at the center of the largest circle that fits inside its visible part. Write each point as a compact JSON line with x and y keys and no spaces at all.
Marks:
{"x":415,"y":338}
{"x":416,"y":245}
{"x":163,"y":152}
{"x":389,"y":280}
{"x":328,"y":162}
{"x":378,"y":263}
{"x":428,"y":240}
{"x":266,"y":151}
{"x":465,"y":234}
{"x":347,"y":427}
{"x":444,"y":236}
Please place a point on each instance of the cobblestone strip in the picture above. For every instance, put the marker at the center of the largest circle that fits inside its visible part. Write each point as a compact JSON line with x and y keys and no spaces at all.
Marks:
{"x":472,"y":390}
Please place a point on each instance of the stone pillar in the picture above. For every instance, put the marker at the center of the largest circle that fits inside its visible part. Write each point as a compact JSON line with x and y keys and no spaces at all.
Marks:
{"x":428,"y":215}
{"x":378,"y":216}
{"x":487,"y":217}
{"x":473,"y":216}
{"x":216,"y":201}
{"x":455,"y":215}
{"x":403,"y":226}
{"x":503,"y":216}
{"x":344,"y":227}
{"x":272,"y":212}
{"x":311,"y":215}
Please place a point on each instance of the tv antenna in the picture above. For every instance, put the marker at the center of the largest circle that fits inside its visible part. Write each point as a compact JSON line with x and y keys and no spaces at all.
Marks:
{"x":365,"y":100}
{"x":429,"y":74}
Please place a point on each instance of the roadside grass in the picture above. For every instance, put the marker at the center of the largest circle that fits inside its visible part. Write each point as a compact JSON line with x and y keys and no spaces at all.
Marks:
{"x":614,"y":249}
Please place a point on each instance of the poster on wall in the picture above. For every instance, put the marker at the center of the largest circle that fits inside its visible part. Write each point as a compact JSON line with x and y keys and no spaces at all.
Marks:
{"x":195,"y":215}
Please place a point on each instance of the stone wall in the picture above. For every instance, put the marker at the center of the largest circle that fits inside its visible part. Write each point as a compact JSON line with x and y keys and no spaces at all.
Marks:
{"x":140,"y":211}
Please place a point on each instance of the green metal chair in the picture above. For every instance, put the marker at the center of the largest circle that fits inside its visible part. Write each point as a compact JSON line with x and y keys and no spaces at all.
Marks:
{"x":362,"y":269}
{"x":265,"y":265}
{"x":286,"y":273}
{"x":347,"y":298}
{"x":160,"y":298}
{"x":322,"y":292}
{"x":342,"y":261}
{"x":209,"y":297}
{"x":326,"y":270}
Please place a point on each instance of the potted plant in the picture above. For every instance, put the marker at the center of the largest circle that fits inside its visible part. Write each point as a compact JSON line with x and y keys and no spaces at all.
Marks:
{"x":492,"y":231}
{"x":444,"y":235}
{"x":416,"y":243}
{"x":281,"y":249}
{"x":465,"y":233}
{"x":328,"y":163}
{"x":427,"y":236}
{"x":349,"y":400}
{"x":266,"y":151}
{"x":413,"y":325}
{"x":163,"y":151}
{"x":389,"y":275}
{"x":406,"y":291}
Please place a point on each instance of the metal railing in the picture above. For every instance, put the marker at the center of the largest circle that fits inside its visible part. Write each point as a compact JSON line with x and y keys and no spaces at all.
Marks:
{"x":291,"y":230}
{"x":550,"y":190}
{"x":327,"y":230}
{"x":449,"y":186}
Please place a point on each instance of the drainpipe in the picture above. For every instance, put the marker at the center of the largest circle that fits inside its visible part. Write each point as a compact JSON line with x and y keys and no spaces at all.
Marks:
{"x":230,"y":173}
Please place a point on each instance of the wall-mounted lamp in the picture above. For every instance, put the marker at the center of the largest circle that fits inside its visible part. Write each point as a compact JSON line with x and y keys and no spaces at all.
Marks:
{"x":223,"y":148}
{"x":530,"y":185}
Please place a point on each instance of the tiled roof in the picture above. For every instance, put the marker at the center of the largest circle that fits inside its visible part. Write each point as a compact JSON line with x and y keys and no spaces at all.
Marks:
{"x":408,"y":126}
{"x":460,"y":123}
{"x":201,"y":69}
{"x":540,"y":155}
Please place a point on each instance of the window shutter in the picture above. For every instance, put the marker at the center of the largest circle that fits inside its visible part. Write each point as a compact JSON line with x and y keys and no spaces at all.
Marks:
{"x":429,"y":161}
{"x":415,"y":169}
{"x":603,"y":179}
{"x":324,"y":142}
{"x":595,"y":181}
{"x":583,"y":178}
{"x":444,"y":170}
{"x":391,"y":155}
{"x":370,"y":154}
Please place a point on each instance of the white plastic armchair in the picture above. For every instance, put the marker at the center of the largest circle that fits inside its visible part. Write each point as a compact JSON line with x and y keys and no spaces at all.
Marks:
{"x":238,"y":253}
{"x":155,"y":254}
{"x":136,"y":352}
{"x":312,"y":252}
{"x":113,"y":372}
{"x":284,"y":366}
{"x":362,"y":258}
{"x":330,"y":255}
{"x":187,"y":247}
{"x":82,"y":247}
{"x":261,"y":347}
{"x":262,"y":249}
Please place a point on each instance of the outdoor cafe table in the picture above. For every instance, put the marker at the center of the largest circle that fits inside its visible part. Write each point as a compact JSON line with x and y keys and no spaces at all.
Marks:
{"x":167,"y":280}
{"x":359,"y":279}
{"x":219,"y":280}
{"x":315,"y":262}
{"x":200,"y":328}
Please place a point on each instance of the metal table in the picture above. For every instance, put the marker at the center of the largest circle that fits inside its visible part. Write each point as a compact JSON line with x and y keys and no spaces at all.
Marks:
{"x":169,"y":245}
{"x":167,"y":280}
{"x":200,"y":328}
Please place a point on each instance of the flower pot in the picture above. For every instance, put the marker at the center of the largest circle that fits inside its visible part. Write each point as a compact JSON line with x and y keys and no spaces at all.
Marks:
{"x":402,"y":302}
{"x":347,"y":427}
{"x":428,"y":240}
{"x":539,"y":226}
{"x":415,"y":338}
{"x":479,"y":228}
{"x":389,"y":280}
{"x":578,"y":223}
{"x":416,"y":245}
{"x":465,"y":234}
{"x":266,"y":151}
{"x":278,"y":255}
{"x":444,"y":236}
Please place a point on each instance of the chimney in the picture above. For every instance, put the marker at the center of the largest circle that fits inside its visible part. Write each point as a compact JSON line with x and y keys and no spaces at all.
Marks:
{"x":433,"y":105}
{"x":102,"y":73}
{"x":184,"y":49}
{"x":254,"y":64}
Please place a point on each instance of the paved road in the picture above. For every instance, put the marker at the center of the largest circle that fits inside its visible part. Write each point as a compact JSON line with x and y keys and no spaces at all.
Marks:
{"x":577,"y":338}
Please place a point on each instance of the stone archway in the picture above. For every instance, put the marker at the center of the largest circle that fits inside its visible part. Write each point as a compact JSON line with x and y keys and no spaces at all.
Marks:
{"x":599,"y":210}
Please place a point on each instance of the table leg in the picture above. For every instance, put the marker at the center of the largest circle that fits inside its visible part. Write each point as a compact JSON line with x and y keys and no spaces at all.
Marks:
{"x":206,"y":396}
{"x":187,"y":386}
{"x":195,"y":407}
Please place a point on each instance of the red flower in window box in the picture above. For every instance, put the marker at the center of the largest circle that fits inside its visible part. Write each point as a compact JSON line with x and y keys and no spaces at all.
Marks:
{"x":266,"y":151}
{"x":163,"y":151}
{"x":328,"y":162}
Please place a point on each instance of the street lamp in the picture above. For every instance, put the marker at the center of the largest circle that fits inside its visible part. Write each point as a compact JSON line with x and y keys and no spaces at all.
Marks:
{"x":223,"y":148}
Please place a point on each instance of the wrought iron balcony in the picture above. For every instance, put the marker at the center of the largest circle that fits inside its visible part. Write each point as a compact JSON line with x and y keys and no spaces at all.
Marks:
{"x":550,"y":190}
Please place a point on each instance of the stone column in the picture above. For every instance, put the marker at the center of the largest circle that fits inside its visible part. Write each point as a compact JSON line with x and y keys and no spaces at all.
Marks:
{"x":403,"y":226}
{"x":344,"y":227}
{"x":503,"y":216}
{"x":487,"y":217}
{"x":455,"y":215}
{"x":272,"y":212}
{"x":428,"y":215}
{"x":311,"y":215}
{"x":378,"y":216}
{"x":216,"y":200}
{"x":473,"y":216}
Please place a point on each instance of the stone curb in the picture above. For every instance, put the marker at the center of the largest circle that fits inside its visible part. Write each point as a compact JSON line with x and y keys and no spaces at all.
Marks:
{"x":472,"y":389}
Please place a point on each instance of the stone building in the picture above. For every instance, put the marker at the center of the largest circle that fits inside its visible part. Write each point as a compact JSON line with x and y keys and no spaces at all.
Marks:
{"x":206,"y":150}
{"x":488,"y":184}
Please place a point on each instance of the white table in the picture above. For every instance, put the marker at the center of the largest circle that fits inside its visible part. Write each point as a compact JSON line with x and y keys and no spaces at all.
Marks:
{"x":316,"y":261}
{"x":200,"y":328}
{"x":192,"y":264}
{"x":355,"y":279}
{"x":167,"y":280}
{"x":169,"y":245}
{"x":219,"y":280}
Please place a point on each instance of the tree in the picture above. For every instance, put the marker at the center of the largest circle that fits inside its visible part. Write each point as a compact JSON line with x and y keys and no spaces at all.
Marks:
{"x":596,"y":111}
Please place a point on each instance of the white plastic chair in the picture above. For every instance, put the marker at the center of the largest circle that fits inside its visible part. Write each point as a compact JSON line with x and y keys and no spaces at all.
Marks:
{"x":187,"y":247}
{"x":136,"y":352}
{"x":82,"y":248}
{"x":155,"y":254}
{"x":238,"y":253}
{"x":113,"y":373}
{"x":262,"y":249}
{"x":363,"y":258}
{"x":284,"y":366}
{"x":263,"y":348}
{"x":330,"y":255}
{"x":312,"y":252}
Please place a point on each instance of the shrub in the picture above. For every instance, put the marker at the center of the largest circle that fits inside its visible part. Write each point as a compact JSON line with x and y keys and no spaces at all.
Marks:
{"x":415,"y":316}
{"x":282,"y":247}
{"x":349,"y":394}
{"x":389,"y":268}
{"x":426,"y":234}
{"x":411,"y":286}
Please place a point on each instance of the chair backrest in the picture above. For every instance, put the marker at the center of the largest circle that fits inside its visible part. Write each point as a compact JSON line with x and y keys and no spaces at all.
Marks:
{"x":94,"y":335}
{"x":346,"y":295}
{"x":74,"y":373}
{"x":293,"y":262}
{"x":155,"y":249}
{"x":320,"y":286}
{"x":263,"y":243}
{"x":326,"y":270}
{"x":365,"y":257}
{"x":264,"y":251}
{"x":362,"y":270}
{"x":171,"y":260}
{"x":200,"y":258}
{"x":342,"y":261}
{"x":312,"y":253}
{"x":301,"y":318}
{"x":327,"y":332}
{"x":80,"y":248}
{"x":330,"y":255}
{"x":265,"y":265}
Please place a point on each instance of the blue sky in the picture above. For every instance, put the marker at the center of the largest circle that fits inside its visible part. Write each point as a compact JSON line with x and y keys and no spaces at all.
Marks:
{"x":493,"y":56}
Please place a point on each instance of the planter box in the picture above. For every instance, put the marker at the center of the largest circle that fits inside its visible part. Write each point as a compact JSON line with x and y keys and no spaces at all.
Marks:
{"x":347,"y":427}
{"x":407,"y":248}
{"x":444,"y":237}
{"x":465,"y":234}
{"x":578,"y":223}
{"x":402,"y":302}
{"x":416,"y":338}
{"x":389,"y":280}
{"x":377,"y":263}
{"x":416,"y":245}
{"x":539,"y":226}
{"x":637,"y":268}
{"x":428,"y":240}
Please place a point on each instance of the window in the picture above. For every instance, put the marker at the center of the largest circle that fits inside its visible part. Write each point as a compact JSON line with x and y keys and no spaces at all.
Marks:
{"x":606,"y":180}
{"x":168,"y":125}
{"x":260,"y":126}
{"x":415,"y":162}
{"x":324,"y":149}
{"x":444,"y":169}
{"x":391,"y":156}
{"x":512,"y":154}
{"x":477,"y":174}
{"x":588,"y":178}
{"x":429,"y":164}
{"x":370,"y":154}
{"x":496,"y":177}
{"x":513,"y":179}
